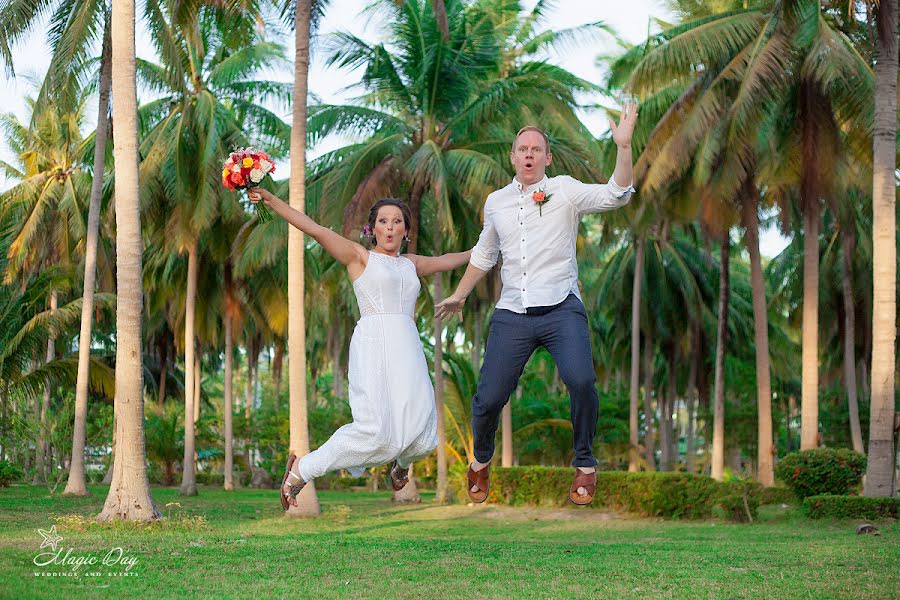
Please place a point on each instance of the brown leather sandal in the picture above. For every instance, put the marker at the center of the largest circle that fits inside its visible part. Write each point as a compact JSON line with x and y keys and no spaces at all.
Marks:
{"x":294,"y":489}
{"x":399,"y":476}
{"x":586,"y":480}
{"x":480,"y":479}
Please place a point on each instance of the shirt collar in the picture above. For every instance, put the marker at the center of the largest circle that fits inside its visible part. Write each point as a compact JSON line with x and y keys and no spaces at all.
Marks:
{"x":542,"y":184}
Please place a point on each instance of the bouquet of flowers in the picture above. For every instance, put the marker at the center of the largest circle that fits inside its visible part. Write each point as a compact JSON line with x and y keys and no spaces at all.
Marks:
{"x":246,"y":168}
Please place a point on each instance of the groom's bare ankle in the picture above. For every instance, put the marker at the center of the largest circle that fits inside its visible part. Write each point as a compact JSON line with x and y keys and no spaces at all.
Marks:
{"x":477,"y":466}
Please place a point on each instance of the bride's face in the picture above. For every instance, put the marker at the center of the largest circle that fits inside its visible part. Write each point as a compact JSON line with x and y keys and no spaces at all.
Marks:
{"x":390,"y":228}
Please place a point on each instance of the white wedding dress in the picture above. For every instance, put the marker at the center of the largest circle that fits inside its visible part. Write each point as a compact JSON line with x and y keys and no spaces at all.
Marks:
{"x":391,"y":394}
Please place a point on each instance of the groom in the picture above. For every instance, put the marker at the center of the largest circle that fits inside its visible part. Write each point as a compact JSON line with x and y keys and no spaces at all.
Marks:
{"x":533,"y":223}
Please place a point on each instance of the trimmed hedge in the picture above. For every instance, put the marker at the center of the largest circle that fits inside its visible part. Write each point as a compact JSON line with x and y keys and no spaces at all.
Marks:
{"x":822,"y":471}
{"x":851,"y":507}
{"x":777,"y":494}
{"x":672,"y":495}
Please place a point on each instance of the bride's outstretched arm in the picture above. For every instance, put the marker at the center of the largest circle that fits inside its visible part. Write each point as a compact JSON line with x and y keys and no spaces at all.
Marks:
{"x":342,"y":249}
{"x":428,"y":265}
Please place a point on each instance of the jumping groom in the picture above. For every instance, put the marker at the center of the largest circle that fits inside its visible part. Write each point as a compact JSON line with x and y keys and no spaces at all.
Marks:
{"x":533,"y":223}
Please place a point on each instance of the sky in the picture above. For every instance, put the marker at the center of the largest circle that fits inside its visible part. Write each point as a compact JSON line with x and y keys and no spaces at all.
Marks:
{"x":630,"y":20}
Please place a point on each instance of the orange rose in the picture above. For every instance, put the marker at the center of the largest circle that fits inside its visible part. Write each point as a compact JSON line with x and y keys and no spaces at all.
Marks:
{"x":538,"y":196}
{"x":237,"y":179}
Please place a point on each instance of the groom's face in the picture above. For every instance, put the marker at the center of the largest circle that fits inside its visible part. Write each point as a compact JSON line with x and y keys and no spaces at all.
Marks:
{"x":530,"y":157}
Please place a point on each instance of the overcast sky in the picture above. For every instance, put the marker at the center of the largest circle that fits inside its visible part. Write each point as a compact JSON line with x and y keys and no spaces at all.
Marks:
{"x":630,"y":20}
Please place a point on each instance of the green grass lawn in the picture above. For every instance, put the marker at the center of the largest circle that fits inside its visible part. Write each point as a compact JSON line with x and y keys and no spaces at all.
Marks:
{"x":240,"y":545}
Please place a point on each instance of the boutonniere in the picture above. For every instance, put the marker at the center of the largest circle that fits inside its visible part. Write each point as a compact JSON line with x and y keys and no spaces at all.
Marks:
{"x":540,"y":198}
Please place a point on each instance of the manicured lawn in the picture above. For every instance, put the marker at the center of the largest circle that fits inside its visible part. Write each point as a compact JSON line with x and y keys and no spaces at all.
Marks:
{"x":363,"y":546}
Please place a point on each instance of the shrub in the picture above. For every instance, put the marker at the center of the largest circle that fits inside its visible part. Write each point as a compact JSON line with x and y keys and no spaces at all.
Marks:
{"x":777,"y":494}
{"x":674,"y":495}
{"x":739,"y":500}
{"x":851,"y":507}
{"x":9,"y":473}
{"x":822,"y":471}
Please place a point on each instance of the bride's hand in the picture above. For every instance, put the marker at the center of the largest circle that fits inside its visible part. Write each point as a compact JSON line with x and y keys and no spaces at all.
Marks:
{"x":257,"y":194}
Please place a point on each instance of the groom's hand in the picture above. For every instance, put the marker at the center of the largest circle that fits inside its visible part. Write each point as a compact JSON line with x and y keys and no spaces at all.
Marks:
{"x":623,"y":132}
{"x":452,"y":305}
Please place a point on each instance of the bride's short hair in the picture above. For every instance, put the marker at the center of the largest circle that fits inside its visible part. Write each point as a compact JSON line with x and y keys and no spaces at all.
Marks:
{"x":373,"y":215}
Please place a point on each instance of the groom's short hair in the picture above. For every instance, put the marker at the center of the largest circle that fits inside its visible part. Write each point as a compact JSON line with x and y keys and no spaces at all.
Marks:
{"x":532,"y":128}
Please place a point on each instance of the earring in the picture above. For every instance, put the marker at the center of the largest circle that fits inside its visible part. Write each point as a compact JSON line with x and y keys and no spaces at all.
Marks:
{"x":406,"y":238}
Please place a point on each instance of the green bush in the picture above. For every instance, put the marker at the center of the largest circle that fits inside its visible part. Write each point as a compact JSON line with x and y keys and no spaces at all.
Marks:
{"x":777,"y":494}
{"x":739,"y":500}
{"x":673,"y":495}
{"x":9,"y":473}
{"x":851,"y":507}
{"x":822,"y":471}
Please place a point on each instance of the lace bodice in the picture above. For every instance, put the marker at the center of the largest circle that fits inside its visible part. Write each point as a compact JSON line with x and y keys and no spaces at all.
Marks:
{"x":389,"y":285}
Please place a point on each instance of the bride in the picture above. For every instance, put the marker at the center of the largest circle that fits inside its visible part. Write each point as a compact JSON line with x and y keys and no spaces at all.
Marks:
{"x":391,"y":395}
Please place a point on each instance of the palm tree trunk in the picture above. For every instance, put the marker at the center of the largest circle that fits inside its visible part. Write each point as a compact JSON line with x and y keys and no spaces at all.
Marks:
{"x":667,"y":406}
{"x":810,"y":102}
{"x":635,"y":355}
{"x":248,"y":395}
{"x":415,"y":206}
{"x":188,"y":477}
{"x":227,"y":393}
{"x":809,"y":401}
{"x":442,"y":495}
{"x":277,"y":365}
{"x":880,"y":470}
{"x":308,"y":501}
{"x":847,"y":244}
{"x":197,"y":386}
{"x":765,"y":441}
{"x":129,"y":493}
{"x":506,"y":459}
{"x":40,"y":466}
{"x":440,"y":15}
{"x":717,"y":468}
{"x":689,"y":458}
{"x":649,"y":438}
{"x":76,"y":484}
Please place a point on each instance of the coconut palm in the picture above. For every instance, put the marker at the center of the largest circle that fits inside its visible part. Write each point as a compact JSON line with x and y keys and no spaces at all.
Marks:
{"x":129,"y":496}
{"x":880,"y":469}
{"x":209,"y":102}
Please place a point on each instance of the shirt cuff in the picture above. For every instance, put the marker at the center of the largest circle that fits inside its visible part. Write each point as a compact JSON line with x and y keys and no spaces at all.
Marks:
{"x":617,"y":190}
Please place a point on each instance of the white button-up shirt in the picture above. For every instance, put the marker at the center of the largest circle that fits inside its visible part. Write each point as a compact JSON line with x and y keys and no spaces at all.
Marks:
{"x":538,"y":245}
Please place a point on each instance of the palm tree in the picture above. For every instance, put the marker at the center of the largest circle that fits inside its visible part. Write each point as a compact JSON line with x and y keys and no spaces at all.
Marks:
{"x":73,"y":27}
{"x":129,"y":496}
{"x":208,"y":102}
{"x":880,"y":469}
{"x":762,"y":67}
{"x":308,"y":501}
{"x":46,"y":205}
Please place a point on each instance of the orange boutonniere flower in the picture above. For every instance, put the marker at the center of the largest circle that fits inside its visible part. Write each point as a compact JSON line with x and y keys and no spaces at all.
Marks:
{"x":540,"y":198}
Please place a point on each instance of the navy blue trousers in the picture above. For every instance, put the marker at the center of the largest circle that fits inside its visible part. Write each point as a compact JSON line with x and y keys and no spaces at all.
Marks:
{"x":512,"y":339}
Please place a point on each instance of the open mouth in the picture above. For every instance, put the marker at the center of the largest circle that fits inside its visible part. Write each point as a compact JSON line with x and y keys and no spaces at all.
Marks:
{"x":528,"y":164}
